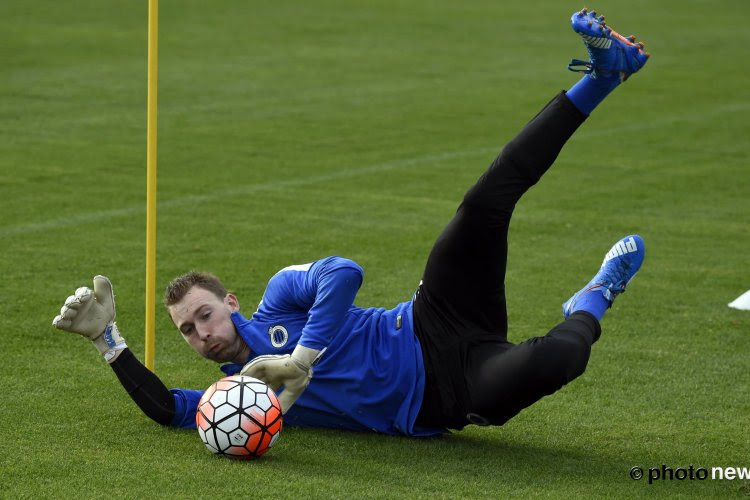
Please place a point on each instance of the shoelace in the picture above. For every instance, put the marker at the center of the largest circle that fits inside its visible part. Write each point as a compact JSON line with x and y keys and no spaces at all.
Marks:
{"x":618,"y":272}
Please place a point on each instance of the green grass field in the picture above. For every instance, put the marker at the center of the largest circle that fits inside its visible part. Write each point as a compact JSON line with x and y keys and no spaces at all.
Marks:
{"x":294,"y":130}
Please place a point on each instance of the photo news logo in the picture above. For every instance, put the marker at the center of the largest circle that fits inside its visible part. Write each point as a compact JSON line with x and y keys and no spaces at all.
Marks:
{"x":690,"y":473}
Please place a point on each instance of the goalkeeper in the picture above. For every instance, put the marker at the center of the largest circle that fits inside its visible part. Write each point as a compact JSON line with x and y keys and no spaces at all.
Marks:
{"x":438,"y":361}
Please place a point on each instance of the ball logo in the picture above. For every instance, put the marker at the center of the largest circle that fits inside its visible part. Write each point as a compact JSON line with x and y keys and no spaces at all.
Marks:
{"x":279,"y":335}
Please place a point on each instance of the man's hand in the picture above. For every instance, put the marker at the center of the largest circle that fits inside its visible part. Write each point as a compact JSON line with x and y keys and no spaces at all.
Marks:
{"x":92,"y":315}
{"x":291,"y":371}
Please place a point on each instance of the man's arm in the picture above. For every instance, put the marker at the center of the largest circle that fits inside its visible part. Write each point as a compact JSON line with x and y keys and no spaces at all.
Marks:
{"x":91,"y":314}
{"x":325,"y":290}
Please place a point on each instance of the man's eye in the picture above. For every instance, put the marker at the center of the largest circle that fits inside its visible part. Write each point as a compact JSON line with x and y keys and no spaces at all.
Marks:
{"x":206,"y":315}
{"x":187,"y":330}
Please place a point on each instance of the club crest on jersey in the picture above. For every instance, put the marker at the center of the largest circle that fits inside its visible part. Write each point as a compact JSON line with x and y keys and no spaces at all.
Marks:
{"x":279,"y":335}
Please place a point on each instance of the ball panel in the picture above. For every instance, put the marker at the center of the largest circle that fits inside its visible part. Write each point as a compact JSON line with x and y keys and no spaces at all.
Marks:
{"x":253,"y":441}
{"x":226,"y":383}
{"x":223,"y":411}
{"x":248,"y":396}
{"x":218,"y":398}
{"x":275,"y":427}
{"x":256,"y":414}
{"x":230,"y":423}
{"x":210,"y":440}
{"x":222,"y":440}
{"x":264,"y":442}
{"x":234,"y":396}
{"x":274,"y":399}
{"x":201,"y":422}
{"x":202,"y":434}
{"x":258,"y":387}
{"x":272,"y":415}
{"x":249,"y":425}
{"x":238,"y":437}
{"x":207,"y":410}
{"x":263,"y":401}
{"x":207,"y":395}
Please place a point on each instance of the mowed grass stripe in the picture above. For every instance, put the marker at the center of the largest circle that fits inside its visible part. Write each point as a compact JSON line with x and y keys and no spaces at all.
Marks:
{"x":717,"y":112}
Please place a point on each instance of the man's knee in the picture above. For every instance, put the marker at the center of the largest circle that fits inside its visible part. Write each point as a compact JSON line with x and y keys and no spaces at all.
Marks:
{"x":563,"y":358}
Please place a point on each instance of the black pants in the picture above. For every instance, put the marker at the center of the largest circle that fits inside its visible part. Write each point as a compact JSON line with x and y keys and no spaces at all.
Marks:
{"x":459,"y":311}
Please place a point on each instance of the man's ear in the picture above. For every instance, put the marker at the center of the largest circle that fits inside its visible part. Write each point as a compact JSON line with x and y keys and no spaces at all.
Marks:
{"x":231,"y":300}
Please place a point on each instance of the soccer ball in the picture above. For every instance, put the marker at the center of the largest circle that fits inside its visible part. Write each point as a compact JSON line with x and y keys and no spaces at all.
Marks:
{"x":239,"y":417}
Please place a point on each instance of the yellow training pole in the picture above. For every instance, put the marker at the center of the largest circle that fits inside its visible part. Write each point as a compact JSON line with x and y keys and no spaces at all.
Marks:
{"x":153,"y":44}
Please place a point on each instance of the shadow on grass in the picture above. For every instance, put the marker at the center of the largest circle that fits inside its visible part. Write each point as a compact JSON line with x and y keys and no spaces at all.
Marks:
{"x":470,"y":456}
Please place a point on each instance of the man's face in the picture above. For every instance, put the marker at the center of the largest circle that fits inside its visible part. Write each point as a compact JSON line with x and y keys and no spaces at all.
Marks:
{"x":206,"y":324}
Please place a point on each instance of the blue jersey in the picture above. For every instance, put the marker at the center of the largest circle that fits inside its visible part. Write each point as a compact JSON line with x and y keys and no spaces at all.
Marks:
{"x":371,"y":376}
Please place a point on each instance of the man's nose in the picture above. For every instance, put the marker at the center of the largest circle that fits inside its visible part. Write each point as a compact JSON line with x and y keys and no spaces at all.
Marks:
{"x":203,"y":332}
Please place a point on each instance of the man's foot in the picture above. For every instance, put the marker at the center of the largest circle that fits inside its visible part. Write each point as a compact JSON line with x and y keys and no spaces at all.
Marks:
{"x":620,"y":265}
{"x":609,"y":52}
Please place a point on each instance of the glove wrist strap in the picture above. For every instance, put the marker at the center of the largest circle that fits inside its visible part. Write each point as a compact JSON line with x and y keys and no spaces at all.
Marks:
{"x":110,"y":342}
{"x":306,"y":357}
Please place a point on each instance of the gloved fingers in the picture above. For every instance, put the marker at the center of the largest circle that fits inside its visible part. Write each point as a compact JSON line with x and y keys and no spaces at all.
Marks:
{"x":83,"y":294}
{"x":103,"y":291}
{"x":68,"y":312}
{"x":267,"y":368}
{"x":72,"y":301}
{"x":81,"y":297}
{"x":61,"y":323}
{"x":259,"y":371}
{"x":252,"y":369}
{"x":261,"y":364}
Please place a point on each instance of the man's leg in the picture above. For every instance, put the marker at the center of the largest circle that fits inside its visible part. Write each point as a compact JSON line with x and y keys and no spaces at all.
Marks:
{"x":461,"y":300}
{"x":503,"y":378}
{"x":459,"y":311}
{"x":466,"y":267}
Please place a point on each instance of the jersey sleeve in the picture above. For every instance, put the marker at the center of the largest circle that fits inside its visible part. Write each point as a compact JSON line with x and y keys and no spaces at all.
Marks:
{"x":324,"y":290}
{"x":185,"y":406}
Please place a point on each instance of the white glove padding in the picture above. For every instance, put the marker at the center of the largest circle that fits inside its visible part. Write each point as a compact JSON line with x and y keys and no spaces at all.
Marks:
{"x":291,"y":371}
{"x":92,"y":315}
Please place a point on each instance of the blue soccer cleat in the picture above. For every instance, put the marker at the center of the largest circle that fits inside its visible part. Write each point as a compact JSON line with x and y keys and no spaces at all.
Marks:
{"x":620,"y":265}
{"x":609,"y":52}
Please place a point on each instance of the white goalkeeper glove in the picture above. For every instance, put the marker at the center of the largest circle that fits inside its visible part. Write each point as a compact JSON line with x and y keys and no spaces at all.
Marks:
{"x":92,"y":315}
{"x":291,"y":371}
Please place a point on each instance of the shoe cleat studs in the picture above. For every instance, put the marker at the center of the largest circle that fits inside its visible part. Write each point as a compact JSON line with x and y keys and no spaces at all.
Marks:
{"x":601,"y":19}
{"x":589,"y":24}
{"x":593,"y":13}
